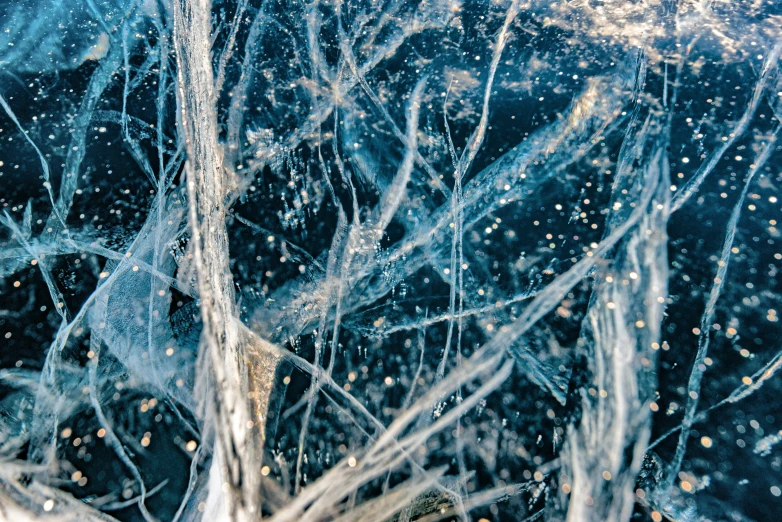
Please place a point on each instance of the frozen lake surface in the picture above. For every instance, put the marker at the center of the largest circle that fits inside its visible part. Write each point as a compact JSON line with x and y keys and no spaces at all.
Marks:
{"x":367,"y":260}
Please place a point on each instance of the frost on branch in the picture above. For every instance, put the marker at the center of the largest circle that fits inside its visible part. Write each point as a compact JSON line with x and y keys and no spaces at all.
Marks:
{"x":400,"y":260}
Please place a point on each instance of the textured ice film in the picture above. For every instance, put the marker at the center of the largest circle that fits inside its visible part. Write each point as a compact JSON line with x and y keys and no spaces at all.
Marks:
{"x":390,"y":260}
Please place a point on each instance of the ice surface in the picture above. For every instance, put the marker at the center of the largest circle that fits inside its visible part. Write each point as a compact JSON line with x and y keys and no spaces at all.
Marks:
{"x":365,"y":260}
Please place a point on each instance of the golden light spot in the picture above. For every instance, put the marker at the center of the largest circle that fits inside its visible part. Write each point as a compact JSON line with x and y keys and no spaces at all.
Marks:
{"x":352,"y":462}
{"x":191,"y":445}
{"x":656,"y":516}
{"x":101,"y":433}
{"x":66,"y":433}
{"x":706,"y":442}
{"x":686,"y":486}
{"x":265,"y":471}
{"x":607,"y":475}
{"x":48,"y":505}
{"x":746,"y":380}
{"x":99,"y":50}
